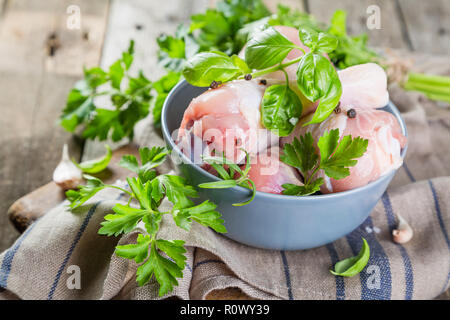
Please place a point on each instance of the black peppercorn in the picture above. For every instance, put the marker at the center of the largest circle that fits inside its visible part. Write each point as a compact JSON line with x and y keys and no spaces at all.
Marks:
{"x":351,"y":113}
{"x":248,"y":76}
{"x":263,"y":82}
{"x":338,"y":108}
{"x":214,"y":84}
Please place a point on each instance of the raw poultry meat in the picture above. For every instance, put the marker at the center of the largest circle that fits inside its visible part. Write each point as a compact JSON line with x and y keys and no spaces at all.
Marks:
{"x":269,"y":173}
{"x":225,"y":120}
{"x":383,"y":152}
{"x":364,"y":85}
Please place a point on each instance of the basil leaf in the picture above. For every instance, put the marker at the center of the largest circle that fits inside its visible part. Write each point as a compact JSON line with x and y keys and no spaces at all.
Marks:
{"x":308,"y":36}
{"x":280,"y":109}
{"x":206,"y":67}
{"x":317,"y":42}
{"x":326,"y":43}
{"x":241,"y":64}
{"x":317,"y":79}
{"x":266,"y":49}
{"x":354,"y":265}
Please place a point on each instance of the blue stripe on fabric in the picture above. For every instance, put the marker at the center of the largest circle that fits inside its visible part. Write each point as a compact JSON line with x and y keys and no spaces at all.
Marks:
{"x":441,"y":223}
{"x":72,"y":248}
{"x":377,"y":258}
{"x":408,"y":172}
{"x":5,"y":269}
{"x":287,"y":274}
{"x":409,"y":275}
{"x":340,"y":284}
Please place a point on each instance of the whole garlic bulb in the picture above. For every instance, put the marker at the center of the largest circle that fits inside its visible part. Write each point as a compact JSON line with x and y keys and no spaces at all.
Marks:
{"x":67,"y":175}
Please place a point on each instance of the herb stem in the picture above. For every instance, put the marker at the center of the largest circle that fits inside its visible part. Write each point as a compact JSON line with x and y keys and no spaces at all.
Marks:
{"x":308,"y":181}
{"x":119,"y":188}
{"x":277,"y":67}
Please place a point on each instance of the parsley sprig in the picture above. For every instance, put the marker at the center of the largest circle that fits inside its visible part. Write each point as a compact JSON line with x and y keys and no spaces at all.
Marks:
{"x":334,"y":158}
{"x":232,"y":175}
{"x":129,"y":98}
{"x":159,"y":258}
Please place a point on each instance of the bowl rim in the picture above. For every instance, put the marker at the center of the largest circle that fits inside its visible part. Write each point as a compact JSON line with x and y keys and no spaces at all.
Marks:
{"x":168,"y":139}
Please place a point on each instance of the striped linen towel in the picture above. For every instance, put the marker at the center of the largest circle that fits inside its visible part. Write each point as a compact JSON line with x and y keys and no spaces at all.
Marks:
{"x":42,"y":262}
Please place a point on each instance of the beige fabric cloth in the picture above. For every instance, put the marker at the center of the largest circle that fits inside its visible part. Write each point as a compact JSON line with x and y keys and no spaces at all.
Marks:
{"x":40,"y":264}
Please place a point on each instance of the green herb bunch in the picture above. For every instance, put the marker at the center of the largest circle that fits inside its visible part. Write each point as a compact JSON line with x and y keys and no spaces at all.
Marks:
{"x":160,"y":258}
{"x":129,"y":97}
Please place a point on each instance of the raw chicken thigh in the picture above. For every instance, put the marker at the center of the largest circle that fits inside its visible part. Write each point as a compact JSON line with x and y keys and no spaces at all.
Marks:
{"x":269,"y":173}
{"x":225,"y":120}
{"x":383,"y":152}
{"x":364,"y":85}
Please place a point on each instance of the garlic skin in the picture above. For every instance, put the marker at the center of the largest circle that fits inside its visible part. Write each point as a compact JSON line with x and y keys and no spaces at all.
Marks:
{"x":67,"y":175}
{"x":403,"y":233}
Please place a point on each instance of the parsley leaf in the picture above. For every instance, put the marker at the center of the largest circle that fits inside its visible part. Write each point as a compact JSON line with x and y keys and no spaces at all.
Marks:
{"x":301,"y":153}
{"x":150,"y":158}
{"x":175,"y":188}
{"x":164,"y":270}
{"x":203,"y":213}
{"x":162,"y":88}
{"x":137,"y":252}
{"x":78,"y":197}
{"x":335,"y":157}
{"x":305,"y":190}
{"x":124,"y":220}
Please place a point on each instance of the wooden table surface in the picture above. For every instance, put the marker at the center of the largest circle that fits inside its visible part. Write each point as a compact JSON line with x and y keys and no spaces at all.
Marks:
{"x":36,"y":75}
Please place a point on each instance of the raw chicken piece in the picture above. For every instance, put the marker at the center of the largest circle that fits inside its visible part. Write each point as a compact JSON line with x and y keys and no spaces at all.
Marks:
{"x":364,"y":85}
{"x":269,"y":173}
{"x":225,"y":120}
{"x":383,"y":152}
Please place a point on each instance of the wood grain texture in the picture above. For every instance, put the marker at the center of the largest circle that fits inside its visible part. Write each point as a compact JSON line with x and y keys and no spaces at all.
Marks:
{"x":390,"y":34}
{"x":428,"y":24}
{"x":34,"y":86}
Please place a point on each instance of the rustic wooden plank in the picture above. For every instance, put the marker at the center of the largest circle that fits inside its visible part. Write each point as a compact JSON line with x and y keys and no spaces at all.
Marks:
{"x":428,"y":24}
{"x":390,"y":34}
{"x":33,"y":89}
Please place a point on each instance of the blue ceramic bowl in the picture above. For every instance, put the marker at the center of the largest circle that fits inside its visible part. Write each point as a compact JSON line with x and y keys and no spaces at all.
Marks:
{"x":274,"y":221}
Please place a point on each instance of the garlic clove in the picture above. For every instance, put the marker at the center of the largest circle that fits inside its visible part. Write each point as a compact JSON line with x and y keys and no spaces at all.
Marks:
{"x":67,"y":175}
{"x":403,"y":233}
